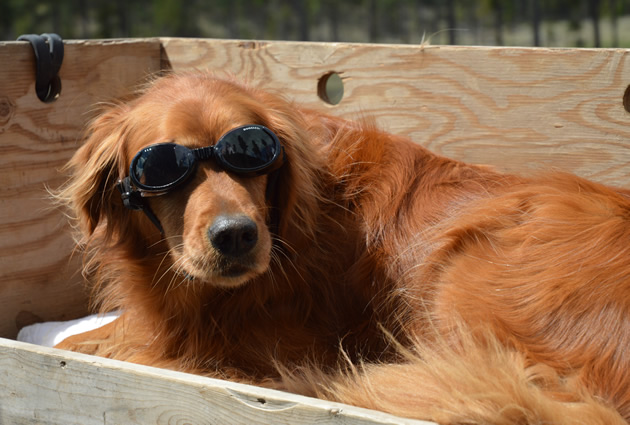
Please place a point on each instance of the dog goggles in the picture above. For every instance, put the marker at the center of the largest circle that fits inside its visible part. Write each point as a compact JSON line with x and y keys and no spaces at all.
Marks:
{"x":249,"y":150}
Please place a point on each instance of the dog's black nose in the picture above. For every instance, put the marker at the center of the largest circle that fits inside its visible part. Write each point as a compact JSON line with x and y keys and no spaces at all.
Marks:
{"x":233,"y":235}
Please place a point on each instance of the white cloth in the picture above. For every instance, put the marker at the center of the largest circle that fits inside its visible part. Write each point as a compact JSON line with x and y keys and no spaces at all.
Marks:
{"x":50,"y":334}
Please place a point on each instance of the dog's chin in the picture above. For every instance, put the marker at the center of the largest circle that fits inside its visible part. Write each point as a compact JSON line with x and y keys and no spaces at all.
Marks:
{"x":224,"y":276}
{"x":232,"y":278}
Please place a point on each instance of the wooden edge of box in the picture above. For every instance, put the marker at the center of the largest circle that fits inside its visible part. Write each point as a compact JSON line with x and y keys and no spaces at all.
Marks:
{"x":61,"y":387}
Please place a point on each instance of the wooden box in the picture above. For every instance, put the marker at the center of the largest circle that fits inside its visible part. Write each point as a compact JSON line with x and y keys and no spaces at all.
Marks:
{"x":518,"y":109}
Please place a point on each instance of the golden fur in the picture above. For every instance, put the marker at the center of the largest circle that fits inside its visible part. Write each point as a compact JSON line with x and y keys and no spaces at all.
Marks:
{"x":396,"y":279}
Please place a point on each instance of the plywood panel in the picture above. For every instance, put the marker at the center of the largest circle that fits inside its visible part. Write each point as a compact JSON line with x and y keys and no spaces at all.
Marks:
{"x":38,"y":278}
{"x":516,"y":108}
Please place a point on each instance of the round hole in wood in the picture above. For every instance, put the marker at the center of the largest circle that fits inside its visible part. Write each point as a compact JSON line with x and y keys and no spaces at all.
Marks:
{"x":626,"y":99}
{"x":330,"y":88}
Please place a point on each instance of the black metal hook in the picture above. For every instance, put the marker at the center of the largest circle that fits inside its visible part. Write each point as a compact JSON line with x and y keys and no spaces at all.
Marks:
{"x":48,"y":50}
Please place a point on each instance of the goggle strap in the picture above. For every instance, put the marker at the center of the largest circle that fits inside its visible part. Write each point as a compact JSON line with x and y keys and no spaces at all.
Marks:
{"x":149,"y":213}
{"x":272,"y":199}
{"x":204,"y":153}
{"x":132,"y":199}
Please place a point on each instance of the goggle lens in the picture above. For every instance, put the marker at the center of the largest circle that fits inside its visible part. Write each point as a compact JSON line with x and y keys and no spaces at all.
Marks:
{"x":248,"y":150}
{"x":163,"y":165}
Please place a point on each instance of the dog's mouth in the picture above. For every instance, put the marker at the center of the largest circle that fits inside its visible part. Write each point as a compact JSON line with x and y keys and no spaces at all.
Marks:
{"x":234,"y":267}
{"x":234,"y":270}
{"x":222,"y":272}
{"x":230,"y":272}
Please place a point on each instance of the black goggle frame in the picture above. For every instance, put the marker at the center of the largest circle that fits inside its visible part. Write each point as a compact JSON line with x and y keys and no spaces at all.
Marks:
{"x":133,"y":190}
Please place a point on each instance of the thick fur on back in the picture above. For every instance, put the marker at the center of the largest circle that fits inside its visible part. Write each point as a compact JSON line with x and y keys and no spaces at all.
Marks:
{"x":392,"y":278}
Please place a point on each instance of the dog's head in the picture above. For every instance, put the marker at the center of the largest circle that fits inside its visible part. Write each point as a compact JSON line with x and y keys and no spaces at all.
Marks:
{"x":217,"y":226}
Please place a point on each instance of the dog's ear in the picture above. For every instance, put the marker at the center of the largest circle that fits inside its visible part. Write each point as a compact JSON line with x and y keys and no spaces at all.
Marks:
{"x":91,"y":193}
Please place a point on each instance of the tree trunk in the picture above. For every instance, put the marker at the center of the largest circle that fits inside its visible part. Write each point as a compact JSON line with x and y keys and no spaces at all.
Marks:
{"x":498,"y":22}
{"x":232,"y":19}
{"x":614,"y":23}
{"x":123,"y":21}
{"x":451,"y":21}
{"x":593,"y":11}
{"x":332,"y":8}
{"x":536,"y":22}
{"x":372,"y":22}
{"x":83,"y":14}
{"x":300,"y":9}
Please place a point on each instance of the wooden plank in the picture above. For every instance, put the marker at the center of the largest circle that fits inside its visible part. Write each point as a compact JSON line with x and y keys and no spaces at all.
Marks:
{"x":44,"y":385}
{"x":515,"y":108}
{"x":38,"y":280}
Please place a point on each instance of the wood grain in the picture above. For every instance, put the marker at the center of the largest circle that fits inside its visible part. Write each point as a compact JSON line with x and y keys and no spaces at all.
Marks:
{"x":516,"y":108}
{"x":38,"y":278}
{"x":42,"y":385}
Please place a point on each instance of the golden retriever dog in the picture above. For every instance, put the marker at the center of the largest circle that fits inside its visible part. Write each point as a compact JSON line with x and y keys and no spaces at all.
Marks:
{"x":246,"y":238}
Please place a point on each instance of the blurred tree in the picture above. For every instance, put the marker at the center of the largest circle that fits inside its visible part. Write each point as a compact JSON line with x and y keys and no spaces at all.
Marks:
{"x":105,"y":14}
{"x":7,"y":11}
{"x":487,"y":21}
{"x":82,"y":8}
{"x":536,"y":18}
{"x":372,"y":20}
{"x":593,"y":10}
{"x":300,"y":8}
{"x":613,"y":10}
{"x":176,"y":17}
{"x":331,"y":10}
{"x":498,"y":7}
{"x":451,"y":22}
{"x":233,"y":10}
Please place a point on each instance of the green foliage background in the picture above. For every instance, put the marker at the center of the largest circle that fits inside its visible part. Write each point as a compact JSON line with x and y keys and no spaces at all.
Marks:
{"x":582,"y":23}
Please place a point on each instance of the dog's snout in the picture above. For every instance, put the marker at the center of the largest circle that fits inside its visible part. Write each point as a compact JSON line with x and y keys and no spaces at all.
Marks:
{"x":233,"y":236}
